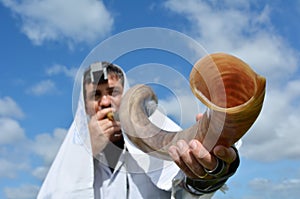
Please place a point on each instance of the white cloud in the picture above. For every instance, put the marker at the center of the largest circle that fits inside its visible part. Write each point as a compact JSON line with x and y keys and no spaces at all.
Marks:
{"x":238,"y":28}
{"x":10,"y":131}
{"x":25,"y":191}
{"x":9,"y":169}
{"x":40,"y":172}
{"x":265,"y":188}
{"x":276,"y":134}
{"x":60,"y":69}
{"x":42,"y":88}
{"x":9,"y":108}
{"x":70,"y":20}
{"x":16,"y":158}
{"x":16,"y":152}
{"x":46,"y":145}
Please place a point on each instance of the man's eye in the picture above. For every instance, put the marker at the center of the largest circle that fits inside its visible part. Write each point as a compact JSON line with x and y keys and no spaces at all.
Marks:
{"x":115,"y":93}
{"x":97,"y":96}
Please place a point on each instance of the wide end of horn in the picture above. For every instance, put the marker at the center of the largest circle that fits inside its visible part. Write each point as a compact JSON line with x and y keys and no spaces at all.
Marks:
{"x":232,"y":91}
{"x":223,"y":81}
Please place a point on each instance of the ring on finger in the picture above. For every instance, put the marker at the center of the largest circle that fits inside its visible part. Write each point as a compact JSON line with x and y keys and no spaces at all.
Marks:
{"x":219,"y":170}
{"x":203,"y":176}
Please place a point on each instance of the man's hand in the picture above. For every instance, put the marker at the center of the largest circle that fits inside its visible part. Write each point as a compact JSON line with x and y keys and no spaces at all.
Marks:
{"x":102,"y":130}
{"x":193,"y":157}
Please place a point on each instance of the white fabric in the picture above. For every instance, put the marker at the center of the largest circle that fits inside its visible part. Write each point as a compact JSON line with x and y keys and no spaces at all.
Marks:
{"x":74,"y":173}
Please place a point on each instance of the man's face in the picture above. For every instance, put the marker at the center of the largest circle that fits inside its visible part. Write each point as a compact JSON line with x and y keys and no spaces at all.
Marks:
{"x":103,"y":95}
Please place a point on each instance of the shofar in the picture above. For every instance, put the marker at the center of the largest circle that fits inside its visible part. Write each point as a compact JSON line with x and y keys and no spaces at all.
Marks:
{"x":230,"y":89}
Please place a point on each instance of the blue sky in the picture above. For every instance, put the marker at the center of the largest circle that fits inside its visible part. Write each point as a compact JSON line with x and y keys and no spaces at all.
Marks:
{"x":43,"y":43}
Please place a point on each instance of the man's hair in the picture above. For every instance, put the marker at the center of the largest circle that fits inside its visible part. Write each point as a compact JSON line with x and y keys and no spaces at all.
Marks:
{"x":110,"y":69}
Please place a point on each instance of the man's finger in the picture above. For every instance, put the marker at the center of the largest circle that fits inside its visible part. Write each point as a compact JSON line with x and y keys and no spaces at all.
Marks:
{"x":226,"y":154}
{"x":202,"y":155}
{"x":103,"y":113}
{"x":199,"y":116}
{"x":175,"y":155}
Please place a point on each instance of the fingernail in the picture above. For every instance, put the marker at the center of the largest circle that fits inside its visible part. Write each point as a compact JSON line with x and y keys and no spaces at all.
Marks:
{"x":221,"y":153}
{"x":180,"y":145}
{"x":193,"y":144}
{"x":173,"y":153}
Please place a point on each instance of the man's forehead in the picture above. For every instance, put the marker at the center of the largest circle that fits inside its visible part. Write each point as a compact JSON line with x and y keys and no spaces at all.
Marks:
{"x":113,"y":77}
{"x":112,"y":81}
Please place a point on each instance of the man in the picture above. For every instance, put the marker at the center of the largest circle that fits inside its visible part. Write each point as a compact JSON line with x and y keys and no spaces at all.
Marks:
{"x":117,"y":169}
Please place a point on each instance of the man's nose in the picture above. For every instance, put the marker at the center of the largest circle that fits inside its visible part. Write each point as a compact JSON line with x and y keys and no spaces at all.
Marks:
{"x":105,"y":101}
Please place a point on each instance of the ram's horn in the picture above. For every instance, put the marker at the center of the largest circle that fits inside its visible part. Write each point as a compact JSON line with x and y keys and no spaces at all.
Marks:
{"x":230,"y":89}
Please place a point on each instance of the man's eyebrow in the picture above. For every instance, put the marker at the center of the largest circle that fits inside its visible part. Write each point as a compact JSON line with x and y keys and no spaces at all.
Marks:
{"x":94,"y":91}
{"x":113,"y":88}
